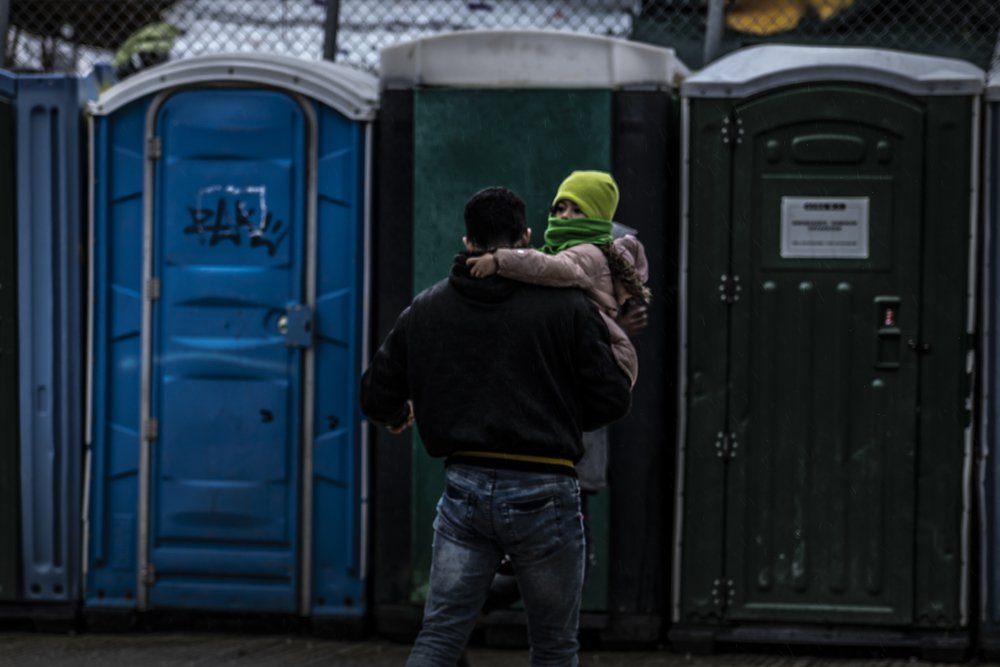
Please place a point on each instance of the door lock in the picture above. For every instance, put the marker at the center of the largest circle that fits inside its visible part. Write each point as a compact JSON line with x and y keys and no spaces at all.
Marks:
{"x":296,"y":325}
{"x":888,"y":333}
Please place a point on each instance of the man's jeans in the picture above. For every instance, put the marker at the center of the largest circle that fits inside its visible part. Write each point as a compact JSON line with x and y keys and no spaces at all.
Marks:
{"x":482,"y":514}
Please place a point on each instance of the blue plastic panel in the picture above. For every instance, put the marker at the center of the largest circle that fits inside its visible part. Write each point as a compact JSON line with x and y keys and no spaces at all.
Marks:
{"x":117,"y":320}
{"x":337,"y":587}
{"x":230,"y":203}
{"x":51,"y":277}
{"x":10,"y":446}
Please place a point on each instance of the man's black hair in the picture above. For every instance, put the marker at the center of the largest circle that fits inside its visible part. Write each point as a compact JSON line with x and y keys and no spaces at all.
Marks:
{"x":494,"y":218}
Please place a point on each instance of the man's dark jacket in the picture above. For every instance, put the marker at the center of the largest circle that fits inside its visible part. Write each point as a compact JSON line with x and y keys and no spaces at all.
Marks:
{"x":498,"y":366}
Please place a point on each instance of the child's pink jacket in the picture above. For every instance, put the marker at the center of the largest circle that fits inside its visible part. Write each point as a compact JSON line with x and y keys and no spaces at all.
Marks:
{"x":583,"y":266}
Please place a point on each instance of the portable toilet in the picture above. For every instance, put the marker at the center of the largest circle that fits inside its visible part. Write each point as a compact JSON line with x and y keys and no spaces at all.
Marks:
{"x":989,"y":635}
{"x":230,"y":219}
{"x":522,"y":109}
{"x":830,"y":229}
{"x":10,"y":502}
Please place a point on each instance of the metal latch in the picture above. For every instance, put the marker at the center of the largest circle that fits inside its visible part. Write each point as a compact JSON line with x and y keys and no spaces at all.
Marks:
{"x":296,"y":325}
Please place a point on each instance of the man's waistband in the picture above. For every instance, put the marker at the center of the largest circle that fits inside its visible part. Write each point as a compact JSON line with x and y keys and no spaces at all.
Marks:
{"x":524,"y":462}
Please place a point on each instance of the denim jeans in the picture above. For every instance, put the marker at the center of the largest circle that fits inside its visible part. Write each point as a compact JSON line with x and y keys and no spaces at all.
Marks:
{"x":484,"y":513}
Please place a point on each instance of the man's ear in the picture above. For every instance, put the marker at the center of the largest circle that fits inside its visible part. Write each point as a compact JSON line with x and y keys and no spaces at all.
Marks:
{"x":525,"y":238}
{"x":469,"y":246}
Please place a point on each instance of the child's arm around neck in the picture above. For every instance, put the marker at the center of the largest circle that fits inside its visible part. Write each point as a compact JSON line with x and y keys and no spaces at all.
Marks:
{"x":580,"y":266}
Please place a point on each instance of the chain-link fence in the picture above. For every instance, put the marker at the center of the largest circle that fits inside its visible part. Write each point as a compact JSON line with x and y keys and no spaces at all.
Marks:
{"x":74,"y":35}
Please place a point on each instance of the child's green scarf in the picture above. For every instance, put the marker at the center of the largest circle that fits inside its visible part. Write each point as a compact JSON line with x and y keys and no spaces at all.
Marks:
{"x":562,"y":234}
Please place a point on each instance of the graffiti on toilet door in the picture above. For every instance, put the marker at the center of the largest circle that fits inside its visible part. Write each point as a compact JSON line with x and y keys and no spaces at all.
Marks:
{"x":227,"y":213}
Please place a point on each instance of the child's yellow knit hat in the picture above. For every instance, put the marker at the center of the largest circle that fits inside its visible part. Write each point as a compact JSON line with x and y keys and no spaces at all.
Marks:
{"x":595,"y":192}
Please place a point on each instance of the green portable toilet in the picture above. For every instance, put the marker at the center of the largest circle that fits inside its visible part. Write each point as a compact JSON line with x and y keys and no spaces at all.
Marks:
{"x":464,"y":111}
{"x":989,"y":488}
{"x":824,"y":471}
{"x":10,"y":505}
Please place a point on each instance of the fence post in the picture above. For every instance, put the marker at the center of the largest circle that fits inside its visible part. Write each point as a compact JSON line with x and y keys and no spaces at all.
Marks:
{"x":330,"y":29}
{"x":713,"y":30}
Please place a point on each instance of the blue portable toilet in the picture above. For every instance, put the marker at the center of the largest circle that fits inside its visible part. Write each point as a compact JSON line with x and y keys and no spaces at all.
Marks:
{"x":231,"y":211}
{"x":10,"y":472}
{"x":989,"y":635}
{"x":51,"y":279}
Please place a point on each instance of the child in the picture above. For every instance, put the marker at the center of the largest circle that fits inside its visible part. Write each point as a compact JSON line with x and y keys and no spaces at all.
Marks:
{"x":579,"y":252}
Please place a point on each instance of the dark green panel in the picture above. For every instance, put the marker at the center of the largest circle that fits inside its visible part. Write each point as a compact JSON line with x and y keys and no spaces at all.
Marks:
{"x":10,"y":543}
{"x":646,"y":168}
{"x":703,"y":520}
{"x":595,"y":590}
{"x":526,"y":140}
{"x":391,"y":274}
{"x":945,"y":389}
{"x":823,"y":387}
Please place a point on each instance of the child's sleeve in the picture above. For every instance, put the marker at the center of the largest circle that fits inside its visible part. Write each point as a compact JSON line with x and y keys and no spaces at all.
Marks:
{"x":622,"y":348}
{"x":632,"y":250}
{"x":565,"y":269}
{"x":634,"y":253}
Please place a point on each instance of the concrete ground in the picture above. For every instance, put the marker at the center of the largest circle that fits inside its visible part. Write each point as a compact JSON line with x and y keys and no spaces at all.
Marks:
{"x":163,"y":648}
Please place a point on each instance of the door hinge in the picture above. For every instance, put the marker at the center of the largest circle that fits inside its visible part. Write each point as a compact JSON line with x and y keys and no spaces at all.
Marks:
{"x":153,"y":289}
{"x":148,"y":574}
{"x":726,"y":445}
{"x":150,"y":429}
{"x":723,"y":593}
{"x":732,"y":131}
{"x":729,"y":288}
{"x":154,"y":148}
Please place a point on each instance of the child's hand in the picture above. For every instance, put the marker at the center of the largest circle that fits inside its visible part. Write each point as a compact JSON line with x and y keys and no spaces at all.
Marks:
{"x":482,"y":266}
{"x":633,"y":320}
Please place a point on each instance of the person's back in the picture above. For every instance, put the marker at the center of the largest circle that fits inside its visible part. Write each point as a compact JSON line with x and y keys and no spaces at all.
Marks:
{"x":497,"y":364}
{"x":502,"y":377}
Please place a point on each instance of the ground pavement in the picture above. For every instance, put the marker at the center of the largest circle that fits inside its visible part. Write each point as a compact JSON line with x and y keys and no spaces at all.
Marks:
{"x":209,"y":649}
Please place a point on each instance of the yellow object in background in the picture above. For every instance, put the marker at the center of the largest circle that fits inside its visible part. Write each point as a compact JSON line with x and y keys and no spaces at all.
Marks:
{"x":769,"y":17}
{"x":827,"y":9}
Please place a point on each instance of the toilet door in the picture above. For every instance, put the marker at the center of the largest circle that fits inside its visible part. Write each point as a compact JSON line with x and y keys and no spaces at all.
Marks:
{"x":229,"y":326}
{"x":820,"y":434}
